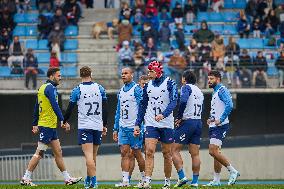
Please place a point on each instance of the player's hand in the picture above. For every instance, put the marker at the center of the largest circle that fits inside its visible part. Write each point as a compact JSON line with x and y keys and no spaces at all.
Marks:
{"x":35,"y":129}
{"x":208,"y":122}
{"x":67,"y":127}
{"x":114,"y":136}
{"x":159,"y":117}
{"x":177,"y":122}
{"x":104,"y":131}
{"x":136,"y":132}
{"x":217,"y":122}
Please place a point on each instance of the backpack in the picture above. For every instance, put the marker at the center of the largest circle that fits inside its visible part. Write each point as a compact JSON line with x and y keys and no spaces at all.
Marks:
{"x":260,"y":81}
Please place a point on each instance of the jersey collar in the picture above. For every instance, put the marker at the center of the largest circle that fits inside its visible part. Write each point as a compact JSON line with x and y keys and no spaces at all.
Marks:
{"x":128,"y":86}
{"x":217,"y":87}
{"x":52,"y":82}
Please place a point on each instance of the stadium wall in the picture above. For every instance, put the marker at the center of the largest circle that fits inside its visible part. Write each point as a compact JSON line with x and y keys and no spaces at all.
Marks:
{"x":254,"y":114}
{"x":254,"y":163}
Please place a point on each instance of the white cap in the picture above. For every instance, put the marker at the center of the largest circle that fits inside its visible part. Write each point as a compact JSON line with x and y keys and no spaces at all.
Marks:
{"x":124,"y":43}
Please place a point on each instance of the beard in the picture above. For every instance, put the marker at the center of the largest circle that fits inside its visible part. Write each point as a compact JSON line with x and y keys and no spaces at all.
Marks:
{"x":212,"y":85}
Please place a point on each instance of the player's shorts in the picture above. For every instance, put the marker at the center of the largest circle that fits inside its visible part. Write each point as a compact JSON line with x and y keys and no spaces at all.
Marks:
{"x":126,"y":137}
{"x":189,"y":132}
{"x":164,"y":135}
{"x":89,"y":136}
{"x":217,"y":134}
{"x":46,"y":134}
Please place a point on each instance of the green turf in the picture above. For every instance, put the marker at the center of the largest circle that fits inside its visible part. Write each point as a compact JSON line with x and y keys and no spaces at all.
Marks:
{"x":153,"y":187}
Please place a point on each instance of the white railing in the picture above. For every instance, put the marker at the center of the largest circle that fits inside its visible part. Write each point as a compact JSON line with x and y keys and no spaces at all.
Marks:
{"x":12,"y":167}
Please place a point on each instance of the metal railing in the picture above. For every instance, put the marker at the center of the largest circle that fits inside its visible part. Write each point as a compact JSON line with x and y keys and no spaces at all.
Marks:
{"x":14,"y":166}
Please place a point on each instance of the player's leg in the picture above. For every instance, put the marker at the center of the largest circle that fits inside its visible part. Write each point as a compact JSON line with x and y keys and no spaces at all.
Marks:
{"x":87,"y":149}
{"x":131,"y":163}
{"x":195,"y":158}
{"x":95,"y":152}
{"x":150,"y":148}
{"x":57,"y":152}
{"x":166,"y":141}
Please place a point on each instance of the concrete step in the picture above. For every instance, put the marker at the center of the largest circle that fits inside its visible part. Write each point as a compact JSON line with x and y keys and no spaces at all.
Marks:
{"x":90,"y":44}
{"x":98,"y":15}
{"x":98,"y":58}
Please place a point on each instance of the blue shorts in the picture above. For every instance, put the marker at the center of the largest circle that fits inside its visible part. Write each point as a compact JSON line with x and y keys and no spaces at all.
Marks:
{"x":189,"y":132}
{"x":126,"y":137}
{"x":164,"y":135}
{"x":89,"y":136}
{"x":46,"y":135}
{"x":219,"y":132}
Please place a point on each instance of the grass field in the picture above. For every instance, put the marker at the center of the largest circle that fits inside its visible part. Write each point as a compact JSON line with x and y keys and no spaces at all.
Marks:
{"x":153,"y":187}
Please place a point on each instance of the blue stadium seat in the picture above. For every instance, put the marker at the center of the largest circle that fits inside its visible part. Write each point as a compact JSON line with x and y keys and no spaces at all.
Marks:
{"x":252,"y":54}
{"x":216,"y":17}
{"x":174,"y":44}
{"x":240,"y":4}
{"x":278,"y":2}
{"x":173,"y":28}
{"x":69,"y":71}
{"x":159,"y":16}
{"x":230,"y":30}
{"x":136,"y":31}
{"x":42,"y":44}
{"x":42,"y":71}
{"x":19,"y":30}
{"x":272,"y":71}
{"x":19,"y":18}
{"x":5,"y":71}
{"x":217,"y":28}
{"x":230,"y":17}
{"x":71,"y":44}
{"x":69,"y":57}
{"x":243,"y":43}
{"x":31,"y":17}
{"x":31,"y":31}
{"x":202,"y":16}
{"x":189,"y":29}
{"x":255,"y":43}
{"x":226,"y":41}
{"x":71,"y":31}
{"x":229,"y":4}
{"x":32,"y":43}
{"x":43,"y":58}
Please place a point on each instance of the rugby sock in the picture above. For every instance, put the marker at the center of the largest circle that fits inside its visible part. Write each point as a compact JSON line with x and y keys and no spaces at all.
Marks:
{"x":65,"y":175}
{"x":216,"y":177}
{"x":194,"y":178}
{"x":148,"y":179}
{"x":168,"y":181}
{"x":142,"y":176}
{"x":231,"y":168}
{"x":94,"y":180}
{"x":129,"y":178}
{"x":28,"y":175}
{"x":88,"y":179}
{"x":181,"y":174}
{"x":125,"y":176}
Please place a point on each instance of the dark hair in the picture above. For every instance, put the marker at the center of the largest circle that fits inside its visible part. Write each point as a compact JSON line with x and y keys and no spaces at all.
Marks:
{"x":189,"y":77}
{"x":143,"y":77}
{"x":85,"y":71}
{"x":215,"y":73}
{"x":52,"y":71}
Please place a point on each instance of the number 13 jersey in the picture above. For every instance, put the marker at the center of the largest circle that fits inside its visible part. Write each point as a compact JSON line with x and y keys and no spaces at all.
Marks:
{"x":158,"y":101}
{"x":90,"y":107}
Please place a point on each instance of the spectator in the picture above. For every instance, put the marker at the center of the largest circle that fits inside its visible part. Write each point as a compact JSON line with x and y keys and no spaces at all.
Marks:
{"x":270,"y":6}
{"x":110,"y":4}
{"x":56,"y":34}
{"x":243,"y":27}
{"x":60,"y":19}
{"x":261,"y":6}
{"x":177,"y":14}
{"x":203,"y":5}
{"x":232,"y":50}
{"x":44,"y":27}
{"x":140,"y":4}
{"x":125,"y":9}
{"x":191,"y":52}
{"x":89,"y":4}
{"x":72,"y":12}
{"x":205,"y":59}
{"x":280,"y":67}
{"x":23,"y":5}
{"x":176,"y":66}
{"x":7,"y":22}
{"x":150,"y":51}
{"x":218,"y":48}
{"x":203,"y":34}
{"x":54,"y":61}
{"x":5,"y":39}
{"x":4,"y":55}
{"x":179,"y":34}
{"x":151,"y":8}
{"x":138,"y":17}
{"x":164,"y":4}
{"x":164,"y":36}
{"x":112,"y":27}
{"x":124,"y":31}
{"x":164,"y":16}
{"x":58,"y":4}
{"x":259,"y":77}
{"x":217,"y":4}
{"x":246,"y":66}
{"x":271,"y":22}
{"x":190,"y":11}
{"x":126,"y":55}
{"x":139,"y":61}
{"x":30,"y":66}
{"x":149,"y":32}
{"x":8,"y":7}
{"x":16,"y":52}
{"x":45,"y":5}
{"x":153,"y":20}
{"x":256,"y":27}
{"x":281,"y":30}
{"x":55,"y":47}
{"x":251,"y":9}
{"x":232,"y":73}
{"x":279,"y":12}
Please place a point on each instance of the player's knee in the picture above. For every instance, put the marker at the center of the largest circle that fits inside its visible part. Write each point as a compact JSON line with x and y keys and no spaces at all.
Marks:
{"x":212,"y":152}
{"x":90,"y":163}
{"x":149,"y":152}
{"x":167,"y":154}
{"x":125,"y":153}
{"x":57,"y":153}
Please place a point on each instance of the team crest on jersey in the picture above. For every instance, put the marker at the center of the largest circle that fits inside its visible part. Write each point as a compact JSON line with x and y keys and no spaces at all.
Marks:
{"x":90,"y":95}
